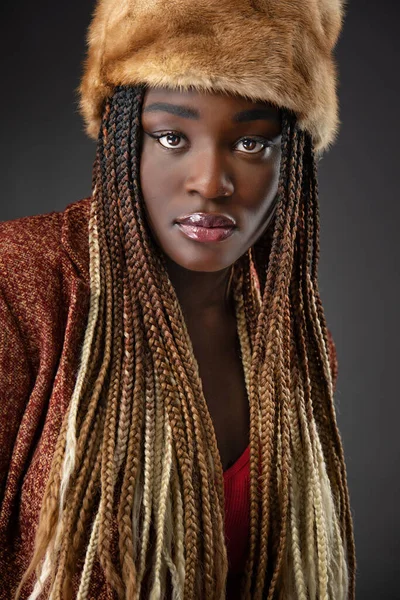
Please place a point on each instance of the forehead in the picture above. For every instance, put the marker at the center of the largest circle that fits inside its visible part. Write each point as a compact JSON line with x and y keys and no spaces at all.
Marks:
{"x":194,"y":104}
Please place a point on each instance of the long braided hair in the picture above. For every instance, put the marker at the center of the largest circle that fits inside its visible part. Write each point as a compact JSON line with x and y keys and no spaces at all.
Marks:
{"x":136,"y":483}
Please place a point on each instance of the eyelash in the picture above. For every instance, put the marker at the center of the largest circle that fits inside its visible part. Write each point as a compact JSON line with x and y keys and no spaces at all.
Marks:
{"x":265,"y":143}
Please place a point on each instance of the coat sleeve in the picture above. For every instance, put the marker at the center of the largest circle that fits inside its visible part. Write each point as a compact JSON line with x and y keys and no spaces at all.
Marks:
{"x":15,"y":385}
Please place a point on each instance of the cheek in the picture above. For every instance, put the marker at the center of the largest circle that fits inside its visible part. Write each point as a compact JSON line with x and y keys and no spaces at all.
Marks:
{"x":159,"y":180}
{"x":156,"y":185}
{"x":260,"y":190}
{"x":152,"y":180}
{"x":259,"y":197}
{"x":157,"y":171}
{"x":150,"y":195}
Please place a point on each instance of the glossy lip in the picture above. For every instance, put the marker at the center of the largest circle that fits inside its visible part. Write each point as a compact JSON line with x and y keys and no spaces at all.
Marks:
{"x":207,"y":220}
{"x":205,"y":234}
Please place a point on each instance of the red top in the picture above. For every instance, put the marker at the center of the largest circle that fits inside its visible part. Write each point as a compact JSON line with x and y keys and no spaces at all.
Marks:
{"x":237,"y":520}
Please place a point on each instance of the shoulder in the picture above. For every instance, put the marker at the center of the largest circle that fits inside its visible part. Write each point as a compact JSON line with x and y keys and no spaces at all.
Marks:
{"x":75,"y":236}
{"x":44,"y":235}
{"x":42,"y":260}
{"x":29,"y":237}
{"x":31,"y":247}
{"x":29,"y":263}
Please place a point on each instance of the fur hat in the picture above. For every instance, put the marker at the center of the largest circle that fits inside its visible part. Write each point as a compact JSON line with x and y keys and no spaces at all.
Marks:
{"x":279,"y":51}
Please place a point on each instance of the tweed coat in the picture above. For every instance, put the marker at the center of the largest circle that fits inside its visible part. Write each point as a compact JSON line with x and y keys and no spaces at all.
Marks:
{"x":44,"y":303}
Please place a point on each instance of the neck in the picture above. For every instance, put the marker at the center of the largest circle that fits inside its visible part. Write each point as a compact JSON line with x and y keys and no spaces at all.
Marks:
{"x":202,"y":294}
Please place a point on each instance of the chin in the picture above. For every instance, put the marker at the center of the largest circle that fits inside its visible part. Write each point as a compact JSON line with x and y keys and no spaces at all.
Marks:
{"x":201,"y":264}
{"x":192,"y":256}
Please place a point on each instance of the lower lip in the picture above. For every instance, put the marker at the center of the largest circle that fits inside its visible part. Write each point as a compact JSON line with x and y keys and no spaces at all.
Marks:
{"x":206,"y":234}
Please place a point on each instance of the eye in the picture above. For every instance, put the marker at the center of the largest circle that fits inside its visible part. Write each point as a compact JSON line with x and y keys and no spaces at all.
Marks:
{"x":171,"y":139}
{"x":252,"y":145}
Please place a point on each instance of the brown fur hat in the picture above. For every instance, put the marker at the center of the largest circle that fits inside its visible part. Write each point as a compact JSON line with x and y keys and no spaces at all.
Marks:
{"x":280,"y":51}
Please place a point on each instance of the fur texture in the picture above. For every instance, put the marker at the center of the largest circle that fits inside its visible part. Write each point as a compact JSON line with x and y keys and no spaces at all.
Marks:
{"x":278,"y":51}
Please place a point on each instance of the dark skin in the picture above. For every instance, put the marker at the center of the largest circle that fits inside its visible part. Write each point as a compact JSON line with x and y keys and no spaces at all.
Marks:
{"x":210,"y":160}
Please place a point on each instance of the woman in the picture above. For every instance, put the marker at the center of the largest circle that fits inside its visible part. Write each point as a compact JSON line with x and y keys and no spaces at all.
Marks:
{"x":168,"y":374}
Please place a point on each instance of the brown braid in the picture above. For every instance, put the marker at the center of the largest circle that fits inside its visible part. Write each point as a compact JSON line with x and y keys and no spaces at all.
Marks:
{"x":138,"y":448}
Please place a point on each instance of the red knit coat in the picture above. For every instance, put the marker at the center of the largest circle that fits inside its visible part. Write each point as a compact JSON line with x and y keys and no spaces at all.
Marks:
{"x":44,"y":303}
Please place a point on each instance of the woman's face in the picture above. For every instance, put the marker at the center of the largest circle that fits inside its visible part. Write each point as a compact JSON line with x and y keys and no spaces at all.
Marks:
{"x":209,"y":174}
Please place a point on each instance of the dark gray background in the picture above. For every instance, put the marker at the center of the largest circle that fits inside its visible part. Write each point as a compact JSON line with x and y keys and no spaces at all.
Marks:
{"x":46,"y":162}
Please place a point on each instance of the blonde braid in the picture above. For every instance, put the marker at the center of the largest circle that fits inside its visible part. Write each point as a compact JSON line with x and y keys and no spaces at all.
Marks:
{"x":161,"y":512}
{"x":152,"y":450}
{"x":123,"y":430}
{"x":61,"y":476}
{"x":178,"y":533}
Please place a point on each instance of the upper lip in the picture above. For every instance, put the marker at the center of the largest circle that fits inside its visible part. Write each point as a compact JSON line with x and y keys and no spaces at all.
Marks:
{"x":207,"y":220}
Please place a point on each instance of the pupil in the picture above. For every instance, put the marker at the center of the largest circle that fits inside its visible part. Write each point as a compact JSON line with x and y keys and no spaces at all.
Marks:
{"x":247,"y":142}
{"x":171,"y":136}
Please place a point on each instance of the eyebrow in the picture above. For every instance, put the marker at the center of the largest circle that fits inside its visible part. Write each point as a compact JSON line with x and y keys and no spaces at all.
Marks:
{"x":187,"y":112}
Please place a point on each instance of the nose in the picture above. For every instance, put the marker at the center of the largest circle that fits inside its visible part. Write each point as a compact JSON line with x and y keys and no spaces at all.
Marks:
{"x":208,"y":175}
